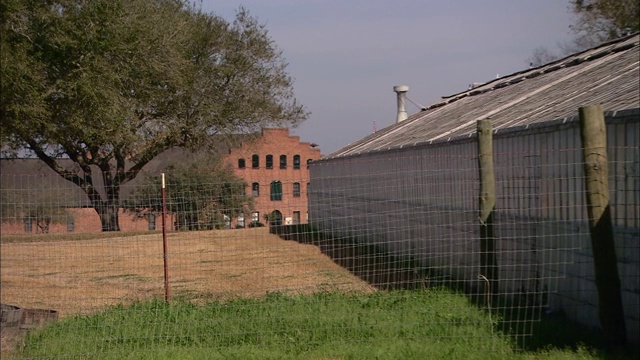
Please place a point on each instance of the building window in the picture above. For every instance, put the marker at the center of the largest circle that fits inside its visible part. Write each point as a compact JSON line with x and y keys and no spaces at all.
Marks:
{"x":296,"y":217}
{"x":255,"y":189}
{"x":308,"y":162}
{"x":269,"y":162}
{"x":276,"y":191}
{"x":275,"y":218}
{"x":240,"y":221}
{"x":255,"y":161}
{"x":296,"y":162}
{"x":296,"y":189}
{"x":152,"y":221}
{"x":241,"y":164}
{"x":255,"y":216}
{"x":308,"y":188}
{"x":71,"y":223}
{"x":28,"y":224}
{"x":283,"y":161}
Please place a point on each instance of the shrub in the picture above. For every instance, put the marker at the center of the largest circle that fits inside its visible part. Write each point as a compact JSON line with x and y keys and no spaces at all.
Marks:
{"x":255,"y":223}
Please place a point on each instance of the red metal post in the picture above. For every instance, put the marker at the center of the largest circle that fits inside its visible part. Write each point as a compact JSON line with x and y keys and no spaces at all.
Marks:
{"x":167,"y":294}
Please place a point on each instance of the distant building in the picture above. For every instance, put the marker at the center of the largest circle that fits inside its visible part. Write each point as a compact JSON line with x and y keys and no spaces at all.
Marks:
{"x":274,"y":165}
{"x":276,"y":169}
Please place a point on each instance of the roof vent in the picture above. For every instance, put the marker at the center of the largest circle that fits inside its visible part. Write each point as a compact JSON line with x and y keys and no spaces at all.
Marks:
{"x":401,"y":90}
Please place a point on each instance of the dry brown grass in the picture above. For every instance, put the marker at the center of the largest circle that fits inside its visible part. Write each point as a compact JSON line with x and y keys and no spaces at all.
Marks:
{"x":84,"y":276}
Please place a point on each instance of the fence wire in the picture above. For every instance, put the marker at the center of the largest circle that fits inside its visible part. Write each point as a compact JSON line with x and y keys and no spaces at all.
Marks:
{"x":398,"y":220}
{"x":421,"y":205}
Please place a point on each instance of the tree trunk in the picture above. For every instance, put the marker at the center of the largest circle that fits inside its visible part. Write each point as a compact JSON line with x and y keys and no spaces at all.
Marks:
{"x":109,"y":209}
{"x":108,"y":216}
{"x":43,"y":224}
{"x":487,"y":203}
{"x":593,"y":134}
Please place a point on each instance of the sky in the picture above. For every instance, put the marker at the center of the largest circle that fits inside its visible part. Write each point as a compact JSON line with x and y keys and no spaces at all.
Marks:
{"x":345,"y":56}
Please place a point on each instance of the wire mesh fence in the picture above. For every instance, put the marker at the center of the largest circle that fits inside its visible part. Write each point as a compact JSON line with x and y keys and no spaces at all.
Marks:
{"x":421,"y":204}
{"x":398,"y":220}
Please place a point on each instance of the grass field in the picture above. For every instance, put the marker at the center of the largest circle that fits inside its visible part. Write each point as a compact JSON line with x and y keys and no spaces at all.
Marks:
{"x":244,"y":294}
{"x":418,"y":324}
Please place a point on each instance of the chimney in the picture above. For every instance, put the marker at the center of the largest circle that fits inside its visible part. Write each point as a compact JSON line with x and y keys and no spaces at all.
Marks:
{"x":402,"y":112}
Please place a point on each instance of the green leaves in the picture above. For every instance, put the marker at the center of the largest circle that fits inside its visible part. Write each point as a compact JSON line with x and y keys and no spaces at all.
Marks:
{"x":201,"y":192}
{"x":602,"y":20}
{"x":114,"y":83}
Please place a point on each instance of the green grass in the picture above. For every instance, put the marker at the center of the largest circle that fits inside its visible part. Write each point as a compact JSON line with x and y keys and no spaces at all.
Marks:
{"x":426,"y":324}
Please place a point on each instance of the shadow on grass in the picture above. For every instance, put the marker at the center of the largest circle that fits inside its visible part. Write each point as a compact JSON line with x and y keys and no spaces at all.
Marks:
{"x":380,"y":269}
{"x":524,"y":319}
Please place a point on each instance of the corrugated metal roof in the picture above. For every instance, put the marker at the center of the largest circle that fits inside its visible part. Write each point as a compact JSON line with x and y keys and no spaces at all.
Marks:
{"x":608,"y":75}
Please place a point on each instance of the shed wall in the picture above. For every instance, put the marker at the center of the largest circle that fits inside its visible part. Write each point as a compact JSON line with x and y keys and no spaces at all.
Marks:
{"x":421,"y":202}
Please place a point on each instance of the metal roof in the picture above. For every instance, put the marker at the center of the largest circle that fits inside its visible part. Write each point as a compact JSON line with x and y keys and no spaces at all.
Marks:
{"x":28,"y":174}
{"x":608,"y":75}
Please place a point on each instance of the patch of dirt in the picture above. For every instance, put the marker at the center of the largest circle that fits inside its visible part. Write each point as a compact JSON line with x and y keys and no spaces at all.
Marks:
{"x":76,"y":277}
{"x":10,"y":340}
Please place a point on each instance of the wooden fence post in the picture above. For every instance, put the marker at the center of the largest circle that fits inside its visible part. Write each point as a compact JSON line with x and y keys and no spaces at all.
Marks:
{"x":488,"y":264}
{"x":594,"y":148}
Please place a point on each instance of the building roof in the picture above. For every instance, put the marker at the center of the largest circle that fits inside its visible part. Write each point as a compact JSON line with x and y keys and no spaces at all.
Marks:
{"x":29,"y":173}
{"x":608,"y":75}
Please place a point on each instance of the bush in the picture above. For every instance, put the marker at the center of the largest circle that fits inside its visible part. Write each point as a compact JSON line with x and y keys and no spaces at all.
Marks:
{"x":256,"y":223}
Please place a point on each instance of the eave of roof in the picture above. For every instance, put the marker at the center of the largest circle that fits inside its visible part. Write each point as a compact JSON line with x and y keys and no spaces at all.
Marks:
{"x":608,"y":75}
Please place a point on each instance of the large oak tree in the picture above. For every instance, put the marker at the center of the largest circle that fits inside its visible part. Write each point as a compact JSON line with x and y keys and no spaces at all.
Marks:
{"x":111,"y":84}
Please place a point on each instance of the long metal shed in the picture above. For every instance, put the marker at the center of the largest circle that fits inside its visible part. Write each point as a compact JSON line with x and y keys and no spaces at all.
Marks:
{"x":412,"y":188}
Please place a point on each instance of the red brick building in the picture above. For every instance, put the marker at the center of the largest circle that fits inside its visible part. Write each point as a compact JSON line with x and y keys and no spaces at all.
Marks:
{"x":275,"y":167}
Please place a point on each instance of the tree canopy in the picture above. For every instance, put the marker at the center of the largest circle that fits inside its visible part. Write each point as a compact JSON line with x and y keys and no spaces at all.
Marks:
{"x":597,"y":21}
{"x":602,"y":20}
{"x":201,"y":191}
{"x":111,"y":84}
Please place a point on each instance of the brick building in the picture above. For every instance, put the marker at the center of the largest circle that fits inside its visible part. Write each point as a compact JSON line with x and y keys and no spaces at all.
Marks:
{"x":275,"y":168}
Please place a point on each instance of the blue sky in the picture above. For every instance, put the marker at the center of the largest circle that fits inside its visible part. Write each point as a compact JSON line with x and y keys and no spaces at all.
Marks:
{"x":346,"y":55}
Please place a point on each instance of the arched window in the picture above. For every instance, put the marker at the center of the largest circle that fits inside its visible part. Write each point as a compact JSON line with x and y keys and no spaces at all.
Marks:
{"x":296,"y":189}
{"x":255,"y":189}
{"x":296,"y":162}
{"x":283,"y":161}
{"x":241,"y":164}
{"x":276,"y":218}
{"x":269,"y":162}
{"x":276,"y":191}
{"x":255,"y":161}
